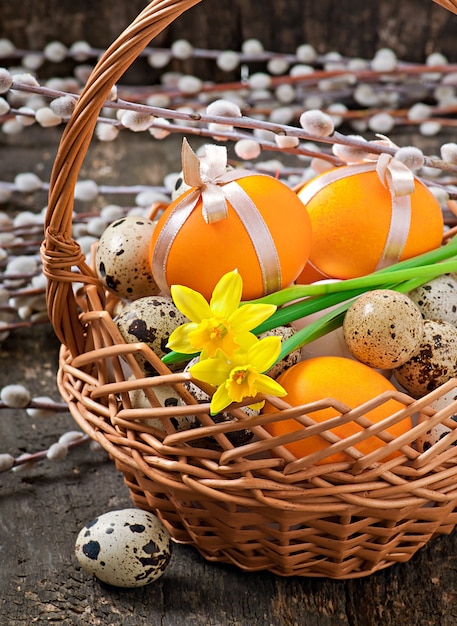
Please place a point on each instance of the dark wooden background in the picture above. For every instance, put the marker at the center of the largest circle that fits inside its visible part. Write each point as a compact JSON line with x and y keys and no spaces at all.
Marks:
{"x":41,"y":511}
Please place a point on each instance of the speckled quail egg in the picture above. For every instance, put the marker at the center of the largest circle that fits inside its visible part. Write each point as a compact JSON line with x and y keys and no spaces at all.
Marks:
{"x":237,"y":437}
{"x":433,"y":363}
{"x":285,"y":332}
{"x":125,"y":548}
{"x":383,"y":328}
{"x":168,"y":397}
{"x":150,"y":320}
{"x":122,"y":257}
{"x":436,"y":433}
{"x":437,"y":299}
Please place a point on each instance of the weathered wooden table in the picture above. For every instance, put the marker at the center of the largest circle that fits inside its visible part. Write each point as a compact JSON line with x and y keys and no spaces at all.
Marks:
{"x":42,"y":510}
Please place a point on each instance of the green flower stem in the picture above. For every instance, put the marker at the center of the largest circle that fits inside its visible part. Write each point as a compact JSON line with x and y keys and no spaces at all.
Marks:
{"x":300,"y":301}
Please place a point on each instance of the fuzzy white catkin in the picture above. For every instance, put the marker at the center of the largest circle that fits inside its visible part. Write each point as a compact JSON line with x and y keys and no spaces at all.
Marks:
{"x":259,"y":80}
{"x":301,"y":69}
{"x":182,"y":49}
{"x":27,"y":182}
{"x":63,"y":106}
{"x":4,"y":334}
{"x":158,"y":100}
{"x":228,"y":60}
{"x":106,"y":132}
{"x":350,"y":154}
{"x":96,"y":226}
{"x":12,"y":127}
{"x":277,"y":66}
{"x":419,"y":111}
{"x":6,"y":80}
{"x":436,"y":58}
{"x":32,"y":61}
{"x":252,"y":47}
{"x":80,"y":51}
{"x":136,"y":121}
{"x":282,"y":115}
{"x":46,"y":117}
{"x":448,"y":152}
{"x":7,"y":48}
{"x":385,"y":60}
{"x":411,"y":156}
{"x":4,"y":105}
{"x":15,"y":396}
{"x":247,"y":149}
{"x":429,"y":128}
{"x":365,"y":95}
{"x":440,"y":194}
{"x":336,"y":111}
{"x":189,"y":84}
{"x":86,"y":190}
{"x":26,"y":116}
{"x":70,"y":436}
{"x":381,"y":123}
{"x":156,"y":131}
{"x":41,"y":413}
{"x":284,"y":141}
{"x":317,"y":123}
{"x":111,"y":212}
{"x":22,"y":265}
{"x":159,"y":58}
{"x":57,"y":452}
{"x":285,"y":93}
{"x":223,"y":108}
{"x":306,"y":53}
{"x":6,"y":462}
{"x":55,"y":51}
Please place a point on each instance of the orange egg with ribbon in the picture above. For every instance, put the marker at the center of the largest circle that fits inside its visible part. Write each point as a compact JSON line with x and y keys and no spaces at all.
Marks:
{"x":230,"y":219}
{"x":369,"y":215}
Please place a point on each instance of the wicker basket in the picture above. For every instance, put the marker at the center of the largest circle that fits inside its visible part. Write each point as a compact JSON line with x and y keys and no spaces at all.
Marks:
{"x":253,"y":505}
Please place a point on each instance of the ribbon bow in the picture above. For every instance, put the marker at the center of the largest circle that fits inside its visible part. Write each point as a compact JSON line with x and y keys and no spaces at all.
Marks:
{"x":207,"y":174}
{"x":216,"y":186}
{"x":399,"y":180}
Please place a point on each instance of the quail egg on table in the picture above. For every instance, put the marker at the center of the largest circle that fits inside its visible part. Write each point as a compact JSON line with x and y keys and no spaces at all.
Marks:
{"x":433,"y":363}
{"x":125,"y":548}
{"x":437,"y":299}
{"x":383,"y":328}
{"x":150,"y":320}
{"x":122,"y":258}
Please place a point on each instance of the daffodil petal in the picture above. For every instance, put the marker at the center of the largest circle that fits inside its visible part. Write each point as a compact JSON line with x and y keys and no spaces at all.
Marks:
{"x":191,"y":303}
{"x":246,"y":340}
{"x":269,"y":386}
{"x":179,"y":339}
{"x":226,"y":295}
{"x":220,"y":400}
{"x":249,"y":316}
{"x":213,"y":371}
{"x":264,"y":353}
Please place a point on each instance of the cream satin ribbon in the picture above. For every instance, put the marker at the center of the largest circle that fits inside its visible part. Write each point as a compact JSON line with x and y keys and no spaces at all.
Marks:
{"x":398,"y":179}
{"x":216,"y":186}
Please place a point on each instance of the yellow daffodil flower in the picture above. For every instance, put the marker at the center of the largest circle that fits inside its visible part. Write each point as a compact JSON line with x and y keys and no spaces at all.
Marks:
{"x":241,"y":376}
{"x":220,"y":325}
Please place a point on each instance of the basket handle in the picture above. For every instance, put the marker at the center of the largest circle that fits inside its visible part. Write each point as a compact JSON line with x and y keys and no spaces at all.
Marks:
{"x":63,"y":262}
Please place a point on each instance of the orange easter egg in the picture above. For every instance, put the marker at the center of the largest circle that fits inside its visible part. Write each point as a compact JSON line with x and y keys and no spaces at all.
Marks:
{"x":358,"y":226}
{"x":265,"y":235}
{"x":349,"y":381}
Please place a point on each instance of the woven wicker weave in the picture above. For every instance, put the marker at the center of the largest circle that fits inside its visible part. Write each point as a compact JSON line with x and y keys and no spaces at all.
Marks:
{"x":253,"y":505}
